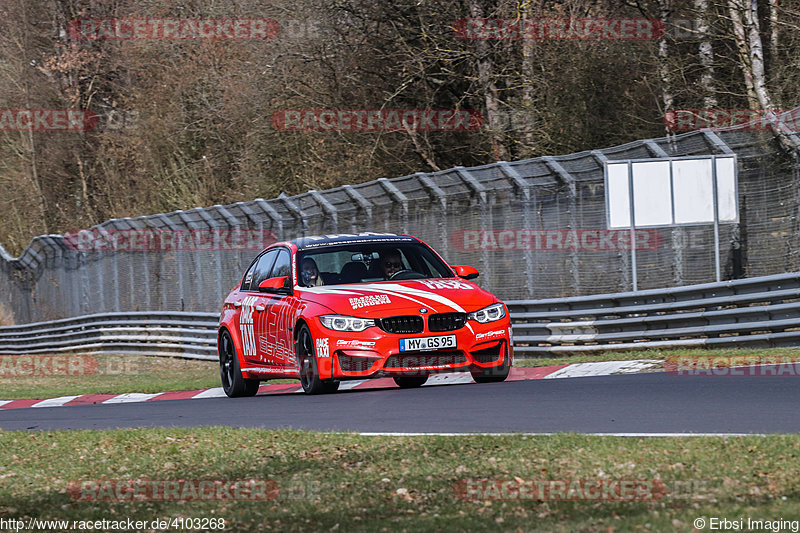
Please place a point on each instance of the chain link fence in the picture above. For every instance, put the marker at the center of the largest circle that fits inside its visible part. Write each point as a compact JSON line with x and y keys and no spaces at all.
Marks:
{"x":535,"y":229}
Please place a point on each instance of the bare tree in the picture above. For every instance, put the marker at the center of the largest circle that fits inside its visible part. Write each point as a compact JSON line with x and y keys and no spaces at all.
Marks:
{"x":486,"y":82}
{"x":773,"y":28}
{"x":746,"y":29}
{"x":706,"y":54}
{"x":738,"y":12}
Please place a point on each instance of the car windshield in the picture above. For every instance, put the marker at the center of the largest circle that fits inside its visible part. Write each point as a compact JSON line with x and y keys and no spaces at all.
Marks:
{"x":364,"y":263}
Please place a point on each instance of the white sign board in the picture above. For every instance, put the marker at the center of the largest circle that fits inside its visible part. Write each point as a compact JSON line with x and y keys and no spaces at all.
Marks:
{"x":671,"y":192}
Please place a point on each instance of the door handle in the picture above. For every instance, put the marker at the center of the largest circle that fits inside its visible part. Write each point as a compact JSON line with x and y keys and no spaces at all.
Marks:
{"x":237,"y":303}
{"x":260,"y":308}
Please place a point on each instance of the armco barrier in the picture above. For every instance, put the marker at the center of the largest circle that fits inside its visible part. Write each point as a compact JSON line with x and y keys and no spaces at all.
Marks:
{"x":186,"y":335}
{"x":754,"y":312}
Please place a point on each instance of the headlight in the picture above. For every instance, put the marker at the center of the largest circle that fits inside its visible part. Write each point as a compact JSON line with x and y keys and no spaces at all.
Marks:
{"x":346,"y":323}
{"x":488,"y":314}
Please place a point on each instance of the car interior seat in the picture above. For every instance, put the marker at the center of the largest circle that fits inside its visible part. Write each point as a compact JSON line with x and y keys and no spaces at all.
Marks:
{"x":353,"y":272}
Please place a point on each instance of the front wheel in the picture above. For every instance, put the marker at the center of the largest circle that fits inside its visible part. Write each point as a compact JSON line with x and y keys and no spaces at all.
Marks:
{"x":230,"y":372}
{"x":410,"y":382}
{"x":307,"y":362}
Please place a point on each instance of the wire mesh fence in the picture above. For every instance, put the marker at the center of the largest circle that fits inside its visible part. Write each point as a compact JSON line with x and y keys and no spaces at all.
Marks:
{"x":535,"y":229}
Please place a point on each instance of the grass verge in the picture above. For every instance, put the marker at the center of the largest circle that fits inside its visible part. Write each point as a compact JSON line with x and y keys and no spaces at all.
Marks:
{"x":41,"y":377}
{"x":348,"y":482}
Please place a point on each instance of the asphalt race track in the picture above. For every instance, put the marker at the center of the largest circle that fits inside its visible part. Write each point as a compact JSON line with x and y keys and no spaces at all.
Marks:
{"x":654,"y":403}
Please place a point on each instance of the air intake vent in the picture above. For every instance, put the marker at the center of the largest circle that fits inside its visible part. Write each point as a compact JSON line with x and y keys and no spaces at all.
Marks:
{"x":446,"y":321}
{"x":402,"y":324}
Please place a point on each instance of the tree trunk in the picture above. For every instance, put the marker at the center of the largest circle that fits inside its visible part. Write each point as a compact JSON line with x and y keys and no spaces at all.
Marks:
{"x":487,"y":85}
{"x":744,"y":13}
{"x":706,"y":53}
{"x":736,"y":8}
{"x":773,"y":29}
{"x":664,"y":74}
{"x":527,"y":86}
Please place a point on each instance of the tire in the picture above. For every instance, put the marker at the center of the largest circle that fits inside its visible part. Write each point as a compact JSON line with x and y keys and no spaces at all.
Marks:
{"x":494,"y":374}
{"x":230,"y":372}
{"x":307,"y":363}
{"x":410,"y":382}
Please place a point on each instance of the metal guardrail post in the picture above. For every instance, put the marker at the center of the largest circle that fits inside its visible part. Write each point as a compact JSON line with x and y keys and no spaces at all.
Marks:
{"x":271,"y":212}
{"x":395,"y":193}
{"x":529,"y":195}
{"x":715,"y":201}
{"x":568,"y":180}
{"x":142,"y":257}
{"x":634,"y":272}
{"x":480,"y":191}
{"x":233,"y":223}
{"x":327,"y":207}
{"x":295,"y":210}
{"x":365,"y":204}
{"x":655,"y":149}
{"x":178,"y":266}
{"x":114,"y":270}
{"x":625,"y":266}
{"x":437,"y":194}
{"x":717,"y":142}
{"x":214,"y":226}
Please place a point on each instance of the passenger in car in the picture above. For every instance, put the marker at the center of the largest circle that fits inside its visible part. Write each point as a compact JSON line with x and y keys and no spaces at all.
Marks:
{"x":309,"y":273}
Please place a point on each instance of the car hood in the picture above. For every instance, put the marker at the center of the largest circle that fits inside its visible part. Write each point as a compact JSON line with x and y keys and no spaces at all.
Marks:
{"x":373,"y":300}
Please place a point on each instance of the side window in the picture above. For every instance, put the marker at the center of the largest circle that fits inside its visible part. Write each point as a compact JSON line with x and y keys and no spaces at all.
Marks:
{"x":262,"y":269}
{"x":283,"y":265}
{"x":248,"y":277}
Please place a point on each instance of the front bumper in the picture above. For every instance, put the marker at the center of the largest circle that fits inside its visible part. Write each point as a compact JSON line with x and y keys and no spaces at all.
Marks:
{"x":375,"y":353}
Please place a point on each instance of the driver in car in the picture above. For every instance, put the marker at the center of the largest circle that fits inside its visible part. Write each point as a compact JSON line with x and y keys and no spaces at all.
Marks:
{"x":309,"y":273}
{"x":392,"y":263}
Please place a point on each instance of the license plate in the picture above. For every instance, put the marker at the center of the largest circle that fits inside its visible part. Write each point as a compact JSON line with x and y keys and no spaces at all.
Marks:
{"x":428,"y":343}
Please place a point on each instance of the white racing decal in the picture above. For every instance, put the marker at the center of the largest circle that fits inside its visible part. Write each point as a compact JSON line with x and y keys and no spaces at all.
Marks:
{"x":393,"y":289}
{"x":490,"y":334}
{"x":355,"y":343}
{"x":246,"y":326}
{"x":323,"y":350}
{"x":445,"y":284}
{"x":369,"y":301}
{"x":259,"y":370}
{"x":275,"y":321}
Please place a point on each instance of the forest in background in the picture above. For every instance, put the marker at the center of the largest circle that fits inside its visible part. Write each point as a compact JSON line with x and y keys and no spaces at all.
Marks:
{"x":187,"y":123}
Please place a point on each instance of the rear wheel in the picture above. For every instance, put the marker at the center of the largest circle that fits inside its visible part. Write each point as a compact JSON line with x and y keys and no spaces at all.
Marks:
{"x":410,"y":382}
{"x":230,"y":372}
{"x":307,"y":361}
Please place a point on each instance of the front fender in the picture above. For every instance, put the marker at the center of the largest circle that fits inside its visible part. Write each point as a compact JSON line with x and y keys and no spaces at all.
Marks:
{"x":322,"y":351}
{"x":226,"y":323}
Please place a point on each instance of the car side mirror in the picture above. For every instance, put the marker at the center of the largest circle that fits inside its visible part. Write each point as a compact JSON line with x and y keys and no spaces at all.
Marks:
{"x":277,"y":285}
{"x":466,"y":272}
